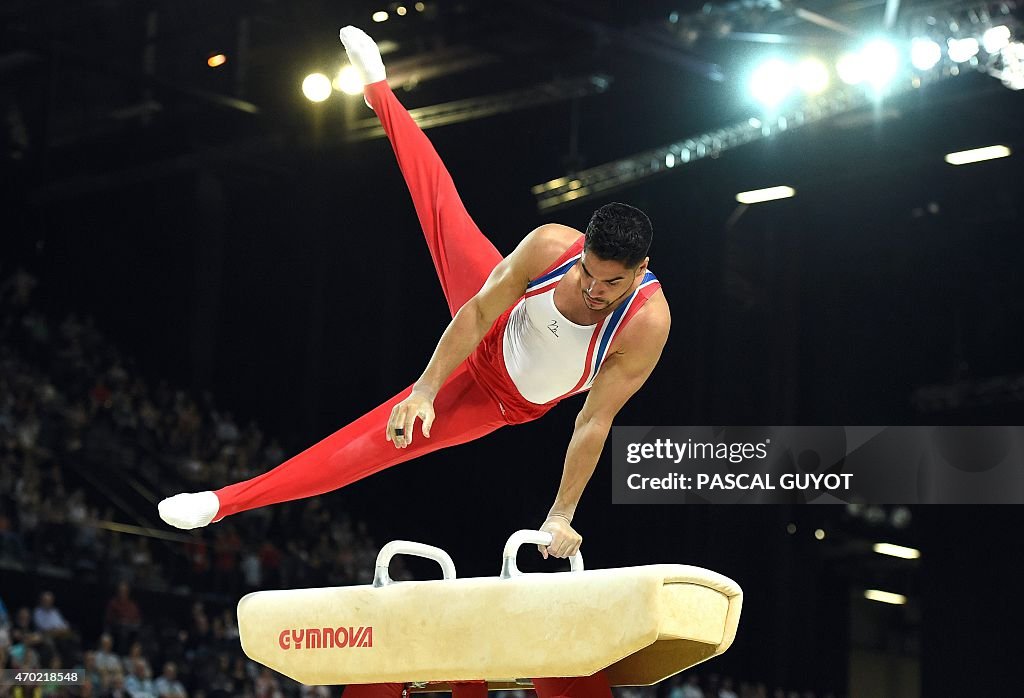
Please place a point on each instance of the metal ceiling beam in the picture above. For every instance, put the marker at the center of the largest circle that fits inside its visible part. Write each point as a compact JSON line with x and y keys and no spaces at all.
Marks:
{"x":892,"y":9}
{"x":823,"y":21}
{"x":638,"y":39}
{"x":479,"y":107}
{"x":617,"y":174}
{"x":435,"y":64}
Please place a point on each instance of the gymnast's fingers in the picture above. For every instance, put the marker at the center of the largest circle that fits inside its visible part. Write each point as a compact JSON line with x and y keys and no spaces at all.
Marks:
{"x":391,"y":421}
{"x":428,"y":421}
{"x":397,"y":420}
{"x":408,"y":424}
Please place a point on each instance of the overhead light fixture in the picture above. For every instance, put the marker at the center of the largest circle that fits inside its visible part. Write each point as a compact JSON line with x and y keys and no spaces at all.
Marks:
{"x":965,"y":157}
{"x":995,"y":39}
{"x":850,"y":69}
{"x":885,"y":597}
{"x":348,"y":81}
{"x":216,"y":60}
{"x":881,"y":62}
{"x":896,"y":551}
{"x":316,"y":87}
{"x":380,"y":16}
{"x":772,"y":82}
{"x":812,"y":76}
{"x":962,"y":50}
{"x":401,"y":11}
{"x":1012,"y":72}
{"x":925,"y":53}
{"x":758,"y":196}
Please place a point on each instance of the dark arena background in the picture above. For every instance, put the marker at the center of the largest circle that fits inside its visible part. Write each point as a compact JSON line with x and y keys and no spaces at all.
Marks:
{"x":204,"y":271}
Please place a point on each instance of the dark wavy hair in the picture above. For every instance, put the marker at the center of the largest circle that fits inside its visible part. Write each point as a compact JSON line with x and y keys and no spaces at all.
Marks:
{"x":619,"y":233}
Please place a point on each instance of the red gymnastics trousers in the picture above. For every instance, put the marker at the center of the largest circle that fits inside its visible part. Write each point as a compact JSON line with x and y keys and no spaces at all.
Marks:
{"x":463,"y":258}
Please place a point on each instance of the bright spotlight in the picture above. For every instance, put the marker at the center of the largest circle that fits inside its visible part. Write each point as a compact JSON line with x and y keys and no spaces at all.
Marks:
{"x":757,"y":196}
{"x":881,"y":62}
{"x":420,"y":7}
{"x":897,"y":551}
{"x":400,"y":10}
{"x":812,"y":76}
{"x":850,"y":68}
{"x":772,"y":82}
{"x":380,"y":16}
{"x":1012,"y":73}
{"x":962,"y":50}
{"x":316,"y":87}
{"x":965,"y":157}
{"x":348,"y":81}
{"x":996,"y":39}
{"x":925,"y":53}
{"x":885,"y":596}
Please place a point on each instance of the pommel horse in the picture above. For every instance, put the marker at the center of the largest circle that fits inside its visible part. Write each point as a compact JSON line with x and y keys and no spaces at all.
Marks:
{"x":639,"y":624}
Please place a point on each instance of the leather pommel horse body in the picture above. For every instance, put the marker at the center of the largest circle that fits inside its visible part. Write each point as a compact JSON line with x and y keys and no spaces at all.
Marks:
{"x":640,"y":624}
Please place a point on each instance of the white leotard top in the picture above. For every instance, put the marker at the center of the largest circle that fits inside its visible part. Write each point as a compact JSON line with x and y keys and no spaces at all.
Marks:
{"x":547,"y":356}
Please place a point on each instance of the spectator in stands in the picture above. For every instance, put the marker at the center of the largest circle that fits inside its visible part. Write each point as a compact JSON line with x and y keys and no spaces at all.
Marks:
{"x":226,"y":547}
{"x":51,"y":622}
{"x":135,"y":655}
{"x":117,"y":687}
{"x":251,"y":569}
{"x":88,"y":672}
{"x":267,"y":685}
{"x":5,"y":619}
{"x":25,"y":633}
{"x":691,"y":688}
{"x":10,"y":541}
{"x":106,"y":661}
{"x":123,"y":617}
{"x":220,"y":681}
{"x":167,"y":684}
{"x":138,"y":683}
{"x":726,"y":690}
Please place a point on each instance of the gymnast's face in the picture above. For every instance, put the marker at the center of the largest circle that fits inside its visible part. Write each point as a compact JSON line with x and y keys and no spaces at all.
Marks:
{"x":603,"y":282}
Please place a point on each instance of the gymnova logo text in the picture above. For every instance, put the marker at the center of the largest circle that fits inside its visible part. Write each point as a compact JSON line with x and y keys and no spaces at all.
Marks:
{"x":325,"y":638}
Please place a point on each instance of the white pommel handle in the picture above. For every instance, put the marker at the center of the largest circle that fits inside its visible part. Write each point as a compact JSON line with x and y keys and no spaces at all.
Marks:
{"x":381,"y":577}
{"x":522,"y":537}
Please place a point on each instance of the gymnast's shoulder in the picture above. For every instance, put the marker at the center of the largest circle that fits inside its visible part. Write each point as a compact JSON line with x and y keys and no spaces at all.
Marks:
{"x":553,"y":238}
{"x":652,"y":320}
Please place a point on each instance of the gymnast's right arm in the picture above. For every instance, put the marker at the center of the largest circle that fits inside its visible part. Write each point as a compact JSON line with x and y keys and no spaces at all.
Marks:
{"x":505,"y":285}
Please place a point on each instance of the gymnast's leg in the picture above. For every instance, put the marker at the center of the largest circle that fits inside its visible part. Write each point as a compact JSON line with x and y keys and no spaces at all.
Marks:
{"x":351,"y":453}
{"x":463,"y":257}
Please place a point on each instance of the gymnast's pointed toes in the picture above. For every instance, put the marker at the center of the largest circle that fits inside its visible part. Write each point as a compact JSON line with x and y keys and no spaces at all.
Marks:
{"x":364,"y":54}
{"x":190,"y":509}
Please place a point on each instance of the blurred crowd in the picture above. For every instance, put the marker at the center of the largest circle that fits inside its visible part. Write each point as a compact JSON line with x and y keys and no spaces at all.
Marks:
{"x":88,"y":444}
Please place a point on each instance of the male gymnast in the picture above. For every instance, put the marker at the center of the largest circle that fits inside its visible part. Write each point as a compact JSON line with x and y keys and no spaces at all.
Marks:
{"x":565,"y":313}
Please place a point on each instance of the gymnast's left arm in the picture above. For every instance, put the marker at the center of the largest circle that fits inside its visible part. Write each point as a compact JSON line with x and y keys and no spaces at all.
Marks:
{"x":619,"y":378}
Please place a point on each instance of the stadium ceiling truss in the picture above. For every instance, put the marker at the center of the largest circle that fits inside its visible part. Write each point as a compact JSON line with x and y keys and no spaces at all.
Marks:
{"x":782,"y":23}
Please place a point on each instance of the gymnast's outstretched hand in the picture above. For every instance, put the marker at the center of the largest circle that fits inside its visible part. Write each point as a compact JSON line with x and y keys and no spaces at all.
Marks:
{"x":565,"y":541}
{"x":404,"y":415}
